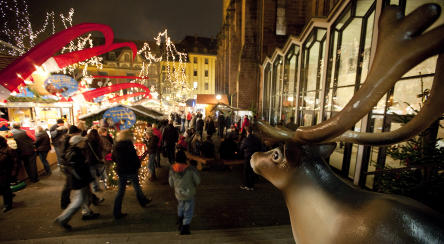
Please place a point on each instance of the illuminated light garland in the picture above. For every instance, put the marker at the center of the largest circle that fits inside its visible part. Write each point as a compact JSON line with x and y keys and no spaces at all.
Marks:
{"x":42,"y":55}
{"x":138,"y":131}
{"x":20,"y":35}
{"x":175,"y":63}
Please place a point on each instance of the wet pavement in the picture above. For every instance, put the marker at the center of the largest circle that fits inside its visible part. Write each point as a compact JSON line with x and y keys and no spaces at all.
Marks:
{"x":220,"y":204}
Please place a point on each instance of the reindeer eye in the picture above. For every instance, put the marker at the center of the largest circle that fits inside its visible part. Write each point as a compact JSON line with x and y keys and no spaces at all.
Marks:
{"x":276,"y":156}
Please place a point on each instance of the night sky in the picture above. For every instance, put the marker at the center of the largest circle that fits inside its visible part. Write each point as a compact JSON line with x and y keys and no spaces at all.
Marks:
{"x":138,"y":19}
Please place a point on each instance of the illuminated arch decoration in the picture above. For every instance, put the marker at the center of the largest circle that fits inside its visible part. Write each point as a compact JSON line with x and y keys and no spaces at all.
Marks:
{"x":120,"y":117}
{"x":123,"y":97}
{"x":41,"y":55}
{"x":121,"y":77}
{"x":90,"y":95}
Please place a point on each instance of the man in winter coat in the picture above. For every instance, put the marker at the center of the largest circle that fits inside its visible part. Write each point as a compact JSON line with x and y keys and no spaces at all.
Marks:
{"x":25,"y":152}
{"x":250,"y":144}
{"x":170,"y":137}
{"x":80,"y":179}
{"x":128,"y":165}
{"x":58,"y":131}
{"x":43,"y":145}
{"x":184,"y":179}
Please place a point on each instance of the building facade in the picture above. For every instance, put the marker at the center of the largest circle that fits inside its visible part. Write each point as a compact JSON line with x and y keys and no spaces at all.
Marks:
{"x":314,"y":75}
{"x":201,"y":66}
{"x":250,"y":32}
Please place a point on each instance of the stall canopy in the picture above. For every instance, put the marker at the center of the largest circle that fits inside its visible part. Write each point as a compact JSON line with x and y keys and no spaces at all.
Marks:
{"x":211,"y":99}
{"x":141,"y":112}
{"x":224,"y":108}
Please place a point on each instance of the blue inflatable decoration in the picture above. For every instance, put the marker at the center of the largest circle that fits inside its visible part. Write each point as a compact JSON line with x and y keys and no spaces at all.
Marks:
{"x":120,"y":116}
{"x":61,"y":84}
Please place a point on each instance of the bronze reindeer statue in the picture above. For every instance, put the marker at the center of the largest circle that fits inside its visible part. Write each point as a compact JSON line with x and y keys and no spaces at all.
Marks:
{"x":322,"y":207}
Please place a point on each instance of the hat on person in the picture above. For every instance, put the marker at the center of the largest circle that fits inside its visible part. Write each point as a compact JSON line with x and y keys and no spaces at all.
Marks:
{"x":73,"y":129}
{"x":74,"y":140}
{"x":4,"y":124}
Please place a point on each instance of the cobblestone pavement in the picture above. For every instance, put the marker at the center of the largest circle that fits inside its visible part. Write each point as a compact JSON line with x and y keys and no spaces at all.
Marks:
{"x":220,"y":204}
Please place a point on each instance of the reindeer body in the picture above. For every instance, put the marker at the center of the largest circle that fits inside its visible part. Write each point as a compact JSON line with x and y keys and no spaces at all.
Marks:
{"x":325,"y":209}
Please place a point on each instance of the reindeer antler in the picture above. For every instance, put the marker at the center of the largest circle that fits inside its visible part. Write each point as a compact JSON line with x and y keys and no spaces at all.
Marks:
{"x":398,"y":35}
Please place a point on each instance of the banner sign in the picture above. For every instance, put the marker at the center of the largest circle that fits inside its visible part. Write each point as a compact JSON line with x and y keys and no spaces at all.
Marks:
{"x":120,"y":117}
{"x":61,"y":84}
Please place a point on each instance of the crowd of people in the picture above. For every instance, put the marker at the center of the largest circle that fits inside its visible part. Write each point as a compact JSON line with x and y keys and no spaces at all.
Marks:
{"x":84,"y":156}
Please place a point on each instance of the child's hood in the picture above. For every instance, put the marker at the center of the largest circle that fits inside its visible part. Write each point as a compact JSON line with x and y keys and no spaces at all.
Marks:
{"x":179,"y":168}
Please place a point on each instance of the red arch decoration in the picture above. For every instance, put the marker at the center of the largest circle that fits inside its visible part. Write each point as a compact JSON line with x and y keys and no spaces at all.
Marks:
{"x":120,"y":98}
{"x":90,"y":95}
{"x":42,"y":54}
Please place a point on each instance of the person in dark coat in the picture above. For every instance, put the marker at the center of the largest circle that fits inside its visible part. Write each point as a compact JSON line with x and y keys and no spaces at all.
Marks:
{"x":75,"y":162}
{"x":58,"y":132}
{"x":64,"y":165}
{"x":170,"y":137}
{"x":43,"y":145}
{"x":128,"y":164}
{"x":94,"y":157}
{"x":210,"y":127}
{"x":7,"y":160}
{"x":221,"y":125}
{"x":151,"y":144}
{"x":250,"y":144}
{"x":199,"y":124}
{"x":25,"y":152}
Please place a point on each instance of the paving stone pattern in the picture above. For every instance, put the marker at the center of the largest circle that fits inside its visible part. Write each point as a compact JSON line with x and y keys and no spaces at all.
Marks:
{"x":223,"y":214}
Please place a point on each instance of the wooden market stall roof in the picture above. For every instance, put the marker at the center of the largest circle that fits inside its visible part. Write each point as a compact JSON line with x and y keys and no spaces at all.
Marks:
{"x":211,"y":99}
{"x":141,"y":112}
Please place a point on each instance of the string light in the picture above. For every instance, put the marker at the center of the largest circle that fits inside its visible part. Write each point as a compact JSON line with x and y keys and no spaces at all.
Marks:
{"x":19,"y":35}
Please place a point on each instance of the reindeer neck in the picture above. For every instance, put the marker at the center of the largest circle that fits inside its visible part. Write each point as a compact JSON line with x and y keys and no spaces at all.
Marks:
{"x":313,"y":198}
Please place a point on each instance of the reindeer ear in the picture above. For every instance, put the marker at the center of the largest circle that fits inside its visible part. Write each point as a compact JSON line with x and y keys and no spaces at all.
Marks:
{"x":293,"y":153}
{"x":323,"y":150}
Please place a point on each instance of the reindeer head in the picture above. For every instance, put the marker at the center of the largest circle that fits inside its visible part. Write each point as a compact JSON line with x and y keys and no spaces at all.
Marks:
{"x":278,"y":165}
{"x":401,"y":46}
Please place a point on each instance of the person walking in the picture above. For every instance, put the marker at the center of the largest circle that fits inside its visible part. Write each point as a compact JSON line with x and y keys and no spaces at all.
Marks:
{"x":64,"y":165}
{"x":221,"y":125}
{"x":170,"y":137}
{"x":128,"y":165}
{"x":250,"y":144}
{"x":157,"y":133}
{"x":152,"y":145}
{"x":94,"y":158}
{"x":80,"y":179}
{"x":182,"y":122}
{"x":184,"y":179}
{"x":7,"y":160}
{"x":210,"y":128}
{"x":189,"y":117}
{"x":43,"y":145}
{"x":58,"y":131}
{"x":193,"y":121}
{"x":245,"y":123}
{"x":199,"y":124}
{"x":25,"y":152}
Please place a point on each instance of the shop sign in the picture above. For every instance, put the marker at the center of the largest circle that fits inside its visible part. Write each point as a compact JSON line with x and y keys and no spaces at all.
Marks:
{"x":121,"y":117}
{"x":61,"y":84}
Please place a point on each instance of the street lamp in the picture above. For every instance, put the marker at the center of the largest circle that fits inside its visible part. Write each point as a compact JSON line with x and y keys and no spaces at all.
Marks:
{"x":218,"y":97}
